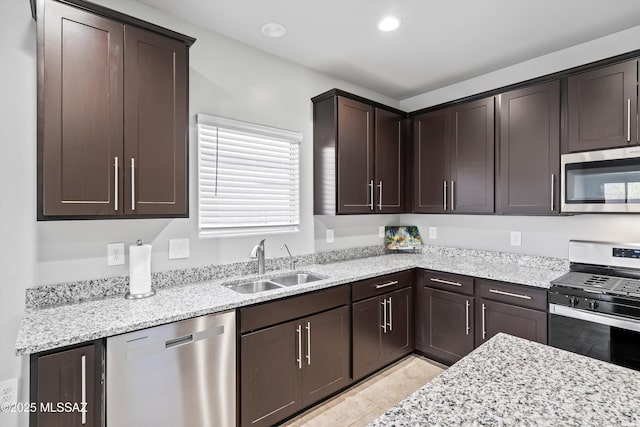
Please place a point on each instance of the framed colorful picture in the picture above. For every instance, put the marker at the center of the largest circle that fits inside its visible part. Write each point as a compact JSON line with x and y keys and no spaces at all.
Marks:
{"x":404,"y":238}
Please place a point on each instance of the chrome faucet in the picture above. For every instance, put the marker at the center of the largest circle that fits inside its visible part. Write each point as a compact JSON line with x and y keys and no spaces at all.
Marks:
{"x":258,"y":252}
{"x":291,"y":261}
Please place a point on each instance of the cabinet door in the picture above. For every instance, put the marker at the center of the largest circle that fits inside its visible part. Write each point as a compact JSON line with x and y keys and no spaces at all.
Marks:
{"x":447,"y":325}
{"x":389,"y":170}
{"x":367,"y":332}
{"x":81,"y":117}
{"x":155,"y":133}
{"x":602,"y":107}
{"x":432,"y":161}
{"x":271,"y":374}
{"x":472,"y":157}
{"x":355,"y":157}
{"x":398,"y":341}
{"x":68,"y":376}
{"x":494,"y":317}
{"x":326,"y":354}
{"x":529,"y":152}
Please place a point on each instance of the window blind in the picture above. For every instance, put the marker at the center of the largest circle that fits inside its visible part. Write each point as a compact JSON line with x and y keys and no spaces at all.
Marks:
{"x":248,"y":176}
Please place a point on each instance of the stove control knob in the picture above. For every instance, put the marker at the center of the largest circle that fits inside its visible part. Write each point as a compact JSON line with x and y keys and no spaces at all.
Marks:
{"x":593,"y":304}
{"x":573,"y":301}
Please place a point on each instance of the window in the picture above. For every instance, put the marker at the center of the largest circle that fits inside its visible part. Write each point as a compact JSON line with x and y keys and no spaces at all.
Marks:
{"x":248,"y":178}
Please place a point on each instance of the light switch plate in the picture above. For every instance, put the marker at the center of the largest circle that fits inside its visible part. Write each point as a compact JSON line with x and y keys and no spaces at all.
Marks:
{"x":381,"y":231}
{"x":179,"y":248}
{"x":433,"y":232}
{"x":516,"y":238}
{"x":330,"y":236}
{"x":115,"y":254}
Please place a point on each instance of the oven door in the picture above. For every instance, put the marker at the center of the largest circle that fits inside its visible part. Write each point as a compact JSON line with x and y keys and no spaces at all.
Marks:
{"x":601,"y":336}
{"x":601,"y":181}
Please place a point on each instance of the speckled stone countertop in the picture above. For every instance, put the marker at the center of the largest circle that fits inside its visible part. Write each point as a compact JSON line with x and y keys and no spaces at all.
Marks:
{"x":509,"y":381}
{"x":47,"y":328}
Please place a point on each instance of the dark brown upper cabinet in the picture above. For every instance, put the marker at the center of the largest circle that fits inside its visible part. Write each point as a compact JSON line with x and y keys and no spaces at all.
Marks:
{"x":454,"y":159}
{"x":528,"y":154}
{"x":112,"y":115}
{"x":602,"y":108}
{"x":358,"y":156}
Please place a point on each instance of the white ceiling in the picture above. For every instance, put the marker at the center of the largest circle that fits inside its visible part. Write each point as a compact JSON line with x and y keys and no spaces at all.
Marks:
{"x":439,"y":42}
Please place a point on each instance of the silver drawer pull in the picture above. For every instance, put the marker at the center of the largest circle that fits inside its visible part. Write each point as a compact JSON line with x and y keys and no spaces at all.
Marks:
{"x":384,"y":285}
{"x":115,"y":184}
{"x":83,"y":374}
{"x":628,"y":119}
{"x":446,"y":282}
{"x":178,"y":341}
{"x":308,"y":343}
{"x":133,"y":184}
{"x":299,"y":359}
{"x":509,"y":294}
{"x":468,"y":327}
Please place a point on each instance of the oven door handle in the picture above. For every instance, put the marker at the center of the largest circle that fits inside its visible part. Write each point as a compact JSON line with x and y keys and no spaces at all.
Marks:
{"x":602,"y":319}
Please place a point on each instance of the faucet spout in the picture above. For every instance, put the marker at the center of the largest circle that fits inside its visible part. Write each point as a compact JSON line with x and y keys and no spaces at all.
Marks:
{"x":258,"y":252}
{"x":292,"y":263}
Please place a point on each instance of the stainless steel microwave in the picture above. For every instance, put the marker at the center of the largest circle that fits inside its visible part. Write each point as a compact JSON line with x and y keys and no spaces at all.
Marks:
{"x":601,"y":181}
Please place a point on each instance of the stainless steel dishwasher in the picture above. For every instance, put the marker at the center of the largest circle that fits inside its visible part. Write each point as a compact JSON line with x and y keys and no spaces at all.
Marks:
{"x":179,"y":374}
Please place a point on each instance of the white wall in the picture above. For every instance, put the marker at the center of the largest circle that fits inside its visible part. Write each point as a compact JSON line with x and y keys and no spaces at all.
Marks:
{"x":226,"y":78}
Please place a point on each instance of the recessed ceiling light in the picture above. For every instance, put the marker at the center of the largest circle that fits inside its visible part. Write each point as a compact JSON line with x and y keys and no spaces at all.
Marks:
{"x":273,"y":30}
{"x":389,"y":24}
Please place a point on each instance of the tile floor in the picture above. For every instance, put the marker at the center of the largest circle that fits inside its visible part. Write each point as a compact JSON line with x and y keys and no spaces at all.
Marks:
{"x":371,"y":398}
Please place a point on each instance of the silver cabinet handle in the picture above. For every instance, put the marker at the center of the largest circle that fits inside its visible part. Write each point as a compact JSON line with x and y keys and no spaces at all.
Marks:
{"x":453,"y":190}
{"x":133,"y":184}
{"x":628,"y":119}
{"x":484,"y":326}
{"x":553,"y":192}
{"x":308,"y":343}
{"x":384,"y":285}
{"x":446,"y":282}
{"x":390,"y":316}
{"x":299,"y":359}
{"x":371,"y":194}
{"x":384,"y":315}
{"x":509,"y":294}
{"x":115,"y":183}
{"x":467,"y":319}
{"x":380,"y":199}
{"x":444,"y":195}
{"x":83,"y":362}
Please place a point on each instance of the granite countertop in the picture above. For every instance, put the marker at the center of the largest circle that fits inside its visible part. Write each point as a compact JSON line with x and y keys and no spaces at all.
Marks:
{"x":510,"y":381}
{"x":48,"y":328}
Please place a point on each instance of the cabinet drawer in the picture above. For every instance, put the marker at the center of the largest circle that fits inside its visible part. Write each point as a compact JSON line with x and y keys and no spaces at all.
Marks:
{"x":510,"y":293}
{"x":271,"y":313}
{"x":382,"y":284}
{"x":447,"y":282}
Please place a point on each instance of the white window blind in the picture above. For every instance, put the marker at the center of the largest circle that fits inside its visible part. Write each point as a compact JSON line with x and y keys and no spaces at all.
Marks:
{"x":248,"y":178}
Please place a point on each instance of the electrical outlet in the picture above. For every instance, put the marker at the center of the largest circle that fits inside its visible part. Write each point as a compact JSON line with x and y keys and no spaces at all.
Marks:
{"x":433,"y":232}
{"x":9,"y":392}
{"x":330,"y":236}
{"x":516,"y":238}
{"x":115,"y":254}
{"x":381,"y":231}
{"x":178,"y":248}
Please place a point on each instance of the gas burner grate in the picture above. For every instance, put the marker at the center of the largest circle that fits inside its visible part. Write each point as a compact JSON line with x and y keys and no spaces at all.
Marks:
{"x":599,"y":281}
{"x":629,"y":286}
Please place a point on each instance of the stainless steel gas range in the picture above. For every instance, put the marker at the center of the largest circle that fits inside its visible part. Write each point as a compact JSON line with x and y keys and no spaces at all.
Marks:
{"x":594,"y":309}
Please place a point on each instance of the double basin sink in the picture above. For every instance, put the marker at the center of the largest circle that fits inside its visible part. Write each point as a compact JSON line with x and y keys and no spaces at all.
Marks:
{"x":277,"y":282}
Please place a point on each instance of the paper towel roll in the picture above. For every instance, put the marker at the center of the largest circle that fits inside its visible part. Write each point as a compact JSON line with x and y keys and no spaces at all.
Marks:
{"x":139,"y":269}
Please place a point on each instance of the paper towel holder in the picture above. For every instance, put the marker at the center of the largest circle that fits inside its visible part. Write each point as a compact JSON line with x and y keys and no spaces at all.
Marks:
{"x":151,"y":293}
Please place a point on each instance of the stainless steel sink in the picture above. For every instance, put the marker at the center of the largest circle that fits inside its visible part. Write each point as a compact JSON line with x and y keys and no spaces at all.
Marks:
{"x":261,"y":285}
{"x":254,"y":286}
{"x":296,"y":279}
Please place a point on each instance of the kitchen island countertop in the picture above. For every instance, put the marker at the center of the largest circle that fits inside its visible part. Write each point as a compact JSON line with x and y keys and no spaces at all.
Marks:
{"x":54,"y":327}
{"x":510,"y":381}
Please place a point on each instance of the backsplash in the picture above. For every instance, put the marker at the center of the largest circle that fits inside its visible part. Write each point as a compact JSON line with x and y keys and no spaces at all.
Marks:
{"x":84,"y":290}
{"x":73,"y":292}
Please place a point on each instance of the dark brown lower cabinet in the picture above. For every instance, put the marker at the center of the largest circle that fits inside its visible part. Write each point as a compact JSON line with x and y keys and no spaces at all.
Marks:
{"x":447,"y":325}
{"x":287,"y":367}
{"x":71,"y":378}
{"x":494,"y":317}
{"x":382,"y":331}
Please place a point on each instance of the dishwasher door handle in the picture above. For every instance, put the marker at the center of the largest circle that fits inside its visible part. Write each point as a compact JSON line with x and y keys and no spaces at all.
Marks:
{"x":179,"y":341}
